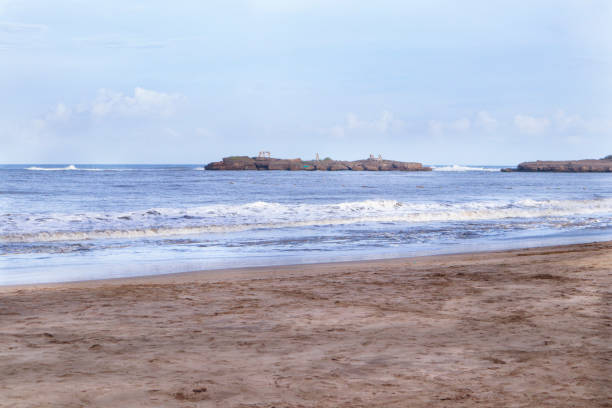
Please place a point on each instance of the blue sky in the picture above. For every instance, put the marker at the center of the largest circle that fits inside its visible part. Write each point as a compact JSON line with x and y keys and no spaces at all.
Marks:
{"x":469,"y":82}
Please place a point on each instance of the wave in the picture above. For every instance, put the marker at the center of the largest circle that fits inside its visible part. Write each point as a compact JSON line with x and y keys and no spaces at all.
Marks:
{"x":70,"y":167}
{"x":456,"y":167}
{"x":222,"y":218}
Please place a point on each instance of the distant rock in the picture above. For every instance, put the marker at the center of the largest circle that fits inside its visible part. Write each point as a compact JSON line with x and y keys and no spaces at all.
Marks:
{"x":337,"y":167}
{"x":268,"y":163}
{"x":238,"y":163}
{"x":569,"y":166}
{"x":370,"y":165}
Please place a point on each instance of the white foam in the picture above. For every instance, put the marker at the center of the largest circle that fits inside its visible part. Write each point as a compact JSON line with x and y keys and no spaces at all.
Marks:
{"x":222,"y":218}
{"x":71,"y":167}
{"x":456,"y":167}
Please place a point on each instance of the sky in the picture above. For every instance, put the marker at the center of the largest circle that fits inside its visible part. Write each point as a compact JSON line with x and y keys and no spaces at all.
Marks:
{"x":440,"y":82}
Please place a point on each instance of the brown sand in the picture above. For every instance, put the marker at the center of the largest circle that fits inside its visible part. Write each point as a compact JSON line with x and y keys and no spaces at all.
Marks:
{"x":525,"y":328}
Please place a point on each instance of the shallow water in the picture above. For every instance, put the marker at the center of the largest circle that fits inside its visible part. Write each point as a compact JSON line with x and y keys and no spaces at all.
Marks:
{"x":67,"y":222}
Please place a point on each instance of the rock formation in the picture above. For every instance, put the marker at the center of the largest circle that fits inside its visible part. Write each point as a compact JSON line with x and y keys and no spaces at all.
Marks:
{"x":570,"y":166}
{"x":268,"y":163}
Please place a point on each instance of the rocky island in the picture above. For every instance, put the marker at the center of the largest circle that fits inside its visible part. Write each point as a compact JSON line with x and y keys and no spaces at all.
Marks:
{"x":265,"y":162}
{"x":603,"y":165}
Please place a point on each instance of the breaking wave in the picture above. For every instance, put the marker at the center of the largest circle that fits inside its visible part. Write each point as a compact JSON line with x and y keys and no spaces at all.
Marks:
{"x":70,"y":167}
{"x":456,"y":167}
{"x":223,"y":218}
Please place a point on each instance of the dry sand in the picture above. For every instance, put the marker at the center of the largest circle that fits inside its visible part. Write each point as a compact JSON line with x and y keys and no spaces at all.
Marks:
{"x":524,"y":328}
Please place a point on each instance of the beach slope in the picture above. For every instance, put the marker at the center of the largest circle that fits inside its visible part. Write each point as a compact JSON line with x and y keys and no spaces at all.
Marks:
{"x":517,"y":328}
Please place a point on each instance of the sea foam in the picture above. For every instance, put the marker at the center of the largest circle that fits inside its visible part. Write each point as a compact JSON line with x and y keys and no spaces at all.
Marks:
{"x":70,"y":167}
{"x":221,"y":218}
{"x":456,"y":167}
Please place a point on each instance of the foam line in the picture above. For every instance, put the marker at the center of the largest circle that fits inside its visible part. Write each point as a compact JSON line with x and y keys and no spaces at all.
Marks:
{"x":263,"y":215}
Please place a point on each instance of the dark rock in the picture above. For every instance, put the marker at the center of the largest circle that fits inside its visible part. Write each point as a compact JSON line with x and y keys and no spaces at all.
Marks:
{"x":239,"y":163}
{"x":233,"y":163}
{"x":215,"y":166}
{"x":386,"y":166}
{"x":279,"y":165}
{"x":573,"y":166}
{"x":267,"y":163}
{"x":261,"y":163}
{"x":370,"y":165}
{"x":296,"y":164}
{"x":337,"y":167}
{"x":407,"y":166}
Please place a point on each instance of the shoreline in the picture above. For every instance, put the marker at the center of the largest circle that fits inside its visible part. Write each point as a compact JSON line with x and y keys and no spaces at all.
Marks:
{"x":375,"y":257}
{"x":525,"y":327}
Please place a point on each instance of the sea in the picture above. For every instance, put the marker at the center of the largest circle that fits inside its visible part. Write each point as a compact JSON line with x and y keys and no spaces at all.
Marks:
{"x":80,"y":222}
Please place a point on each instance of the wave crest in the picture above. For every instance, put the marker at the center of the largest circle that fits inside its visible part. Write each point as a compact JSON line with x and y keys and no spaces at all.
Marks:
{"x":70,"y":167}
{"x":456,"y":167}
{"x":222,"y":218}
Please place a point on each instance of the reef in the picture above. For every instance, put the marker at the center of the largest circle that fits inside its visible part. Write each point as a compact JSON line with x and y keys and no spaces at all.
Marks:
{"x":269,"y":163}
{"x":568,"y":166}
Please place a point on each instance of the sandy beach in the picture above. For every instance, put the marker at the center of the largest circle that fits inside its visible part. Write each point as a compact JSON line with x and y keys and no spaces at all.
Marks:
{"x":521,"y":328}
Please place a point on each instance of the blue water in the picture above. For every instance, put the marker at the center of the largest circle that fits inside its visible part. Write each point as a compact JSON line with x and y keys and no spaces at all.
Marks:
{"x":63,"y":222}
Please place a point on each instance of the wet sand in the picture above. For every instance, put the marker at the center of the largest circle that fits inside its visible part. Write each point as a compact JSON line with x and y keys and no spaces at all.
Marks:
{"x":523,"y":328}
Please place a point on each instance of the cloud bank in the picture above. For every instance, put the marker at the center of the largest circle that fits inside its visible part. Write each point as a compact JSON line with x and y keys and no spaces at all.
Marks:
{"x":144,"y":102}
{"x":531,"y":125}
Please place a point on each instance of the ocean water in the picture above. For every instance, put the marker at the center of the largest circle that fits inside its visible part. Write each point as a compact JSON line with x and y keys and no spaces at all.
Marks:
{"x":79,"y":222}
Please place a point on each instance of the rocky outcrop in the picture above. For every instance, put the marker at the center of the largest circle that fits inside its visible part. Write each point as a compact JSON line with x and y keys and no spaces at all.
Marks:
{"x":264,"y":163}
{"x":237,"y":163}
{"x":570,"y":166}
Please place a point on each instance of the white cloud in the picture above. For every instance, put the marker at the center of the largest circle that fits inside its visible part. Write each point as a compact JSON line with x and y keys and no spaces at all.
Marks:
{"x":437,"y":127}
{"x":578,"y":125}
{"x":530,"y":124}
{"x":108,"y":105}
{"x":58,"y":115}
{"x":386,"y":123}
{"x":143,"y":102}
{"x":61,"y":113}
{"x":461,"y":125}
{"x":485,"y":121}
